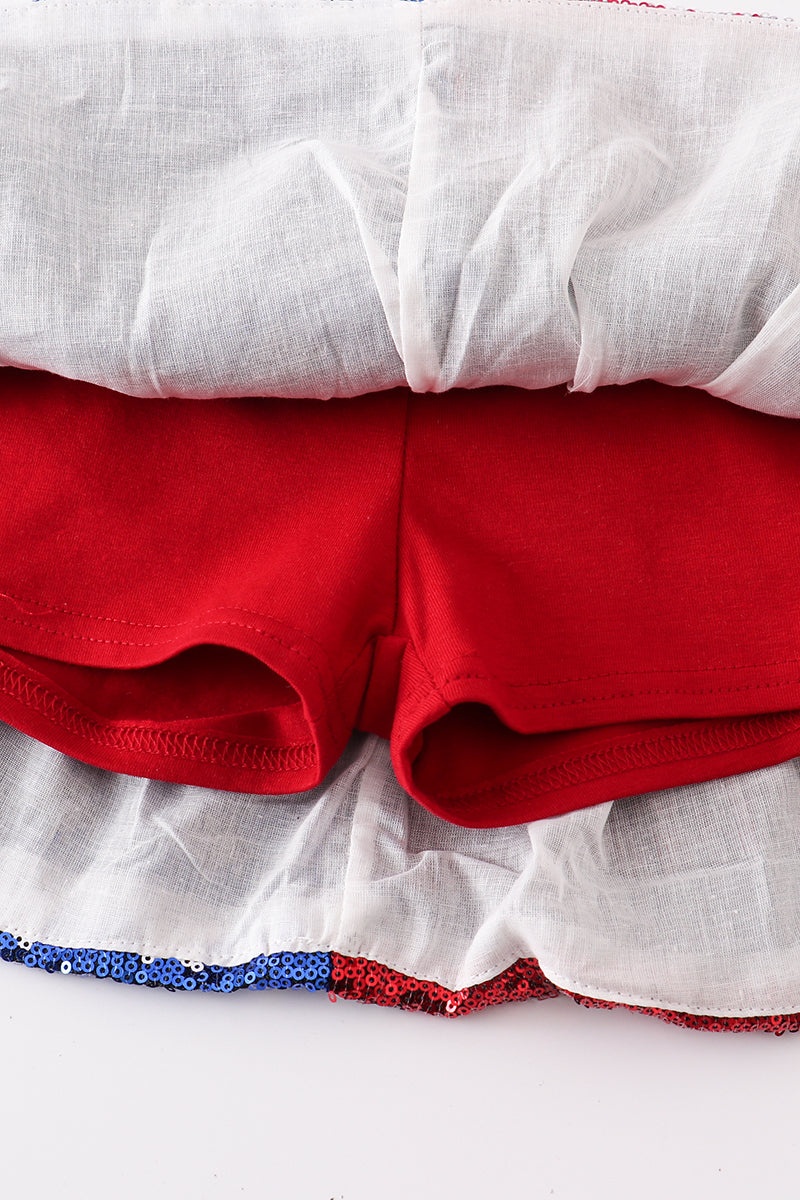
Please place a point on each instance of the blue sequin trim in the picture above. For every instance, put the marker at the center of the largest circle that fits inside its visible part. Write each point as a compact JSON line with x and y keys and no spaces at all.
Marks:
{"x":288,"y":970}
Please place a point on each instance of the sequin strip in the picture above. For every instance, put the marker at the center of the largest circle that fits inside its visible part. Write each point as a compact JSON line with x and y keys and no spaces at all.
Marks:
{"x":362,"y":979}
{"x":781,"y":1023}
{"x":289,"y":970}
{"x":351,"y":978}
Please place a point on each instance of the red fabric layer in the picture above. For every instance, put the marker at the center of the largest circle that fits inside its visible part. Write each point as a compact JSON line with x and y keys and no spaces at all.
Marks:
{"x":545,"y":600}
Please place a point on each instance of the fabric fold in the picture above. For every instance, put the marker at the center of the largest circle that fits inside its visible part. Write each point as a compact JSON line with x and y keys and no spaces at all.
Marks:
{"x":451,"y":194}
{"x":683,"y":900}
{"x":544,"y":601}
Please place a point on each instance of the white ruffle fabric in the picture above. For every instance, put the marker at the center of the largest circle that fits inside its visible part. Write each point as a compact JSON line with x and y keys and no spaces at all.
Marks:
{"x":685,"y":900}
{"x":329,"y":197}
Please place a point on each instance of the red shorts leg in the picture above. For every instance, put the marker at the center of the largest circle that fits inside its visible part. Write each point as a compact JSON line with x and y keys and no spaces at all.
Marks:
{"x":600,"y":593}
{"x":189,"y":590}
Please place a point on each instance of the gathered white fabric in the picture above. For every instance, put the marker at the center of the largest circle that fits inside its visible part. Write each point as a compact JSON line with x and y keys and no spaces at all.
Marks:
{"x":687,"y":899}
{"x":329,"y":197}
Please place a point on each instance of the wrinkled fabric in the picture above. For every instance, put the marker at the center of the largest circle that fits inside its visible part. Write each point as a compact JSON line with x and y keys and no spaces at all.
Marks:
{"x":315,"y":199}
{"x":686,"y":899}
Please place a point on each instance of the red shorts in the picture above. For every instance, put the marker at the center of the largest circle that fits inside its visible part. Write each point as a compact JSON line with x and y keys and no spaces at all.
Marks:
{"x":546,"y":600}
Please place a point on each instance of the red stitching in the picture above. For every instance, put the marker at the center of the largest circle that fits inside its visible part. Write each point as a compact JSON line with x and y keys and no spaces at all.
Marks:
{"x":617,"y":760}
{"x":779,"y":662}
{"x":167,"y":743}
{"x":744,"y":687}
{"x":327,"y":692}
{"x":82,"y":637}
{"x":74,"y":612}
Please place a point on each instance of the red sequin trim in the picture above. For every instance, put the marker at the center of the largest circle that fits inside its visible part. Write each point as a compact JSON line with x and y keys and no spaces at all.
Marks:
{"x":361,"y":979}
{"x":372,"y":983}
{"x":779,"y":1024}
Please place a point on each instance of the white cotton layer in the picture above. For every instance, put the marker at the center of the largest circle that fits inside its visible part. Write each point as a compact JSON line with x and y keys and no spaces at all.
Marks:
{"x":687,"y":899}
{"x":328,"y":197}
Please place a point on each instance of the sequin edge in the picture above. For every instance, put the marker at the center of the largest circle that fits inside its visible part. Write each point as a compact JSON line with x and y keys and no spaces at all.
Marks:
{"x":350,"y":978}
{"x":287,"y":970}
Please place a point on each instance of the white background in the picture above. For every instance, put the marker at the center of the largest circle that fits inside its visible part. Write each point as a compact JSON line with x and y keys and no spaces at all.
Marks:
{"x":123,"y":1092}
{"x":119,"y":1091}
